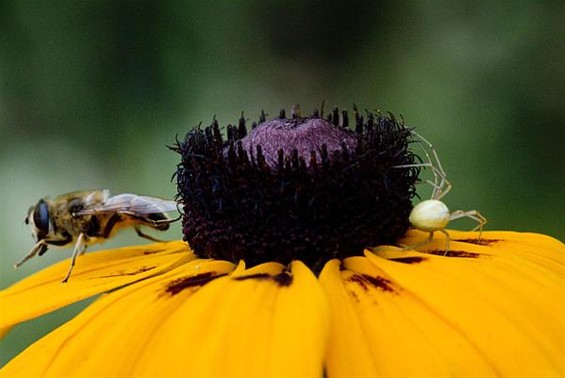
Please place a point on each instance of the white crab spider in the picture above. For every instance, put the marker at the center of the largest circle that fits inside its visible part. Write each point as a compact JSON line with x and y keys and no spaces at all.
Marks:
{"x":433,"y":215}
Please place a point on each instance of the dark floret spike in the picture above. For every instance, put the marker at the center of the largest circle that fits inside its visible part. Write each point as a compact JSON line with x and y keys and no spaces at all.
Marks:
{"x":298,"y":188}
{"x":214,"y":120}
{"x":296,"y":112}
{"x":316,"y":113}
{"x":302,"y":165}
{"x":262,"y":117}
{"x":313,"y":161}
{"x":217,"y":133}
{"x":208,"y":132}
{"x":335,"y":116}
{"x":355,"y":112}
{"x":241,"y":130}
{"x":261,"y":163}
{"x":230,"y":133}
{"x":322,"y":109}
{"x":361,"y":122}
{"x":232,"y":156}
{"x":288,"y":164}
{"x":345,"y":152}
{"x":294,"y":159}
{"x":324,"y":156}
{"x":370,"y":120}
{"x":242,"y":155}
{"x":345,"y":119}
{"x":280,"y":160}
{"x":358,"y":125}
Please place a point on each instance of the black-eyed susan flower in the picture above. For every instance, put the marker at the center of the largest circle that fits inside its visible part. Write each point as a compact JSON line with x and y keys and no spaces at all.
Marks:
{"x":279,"y":281}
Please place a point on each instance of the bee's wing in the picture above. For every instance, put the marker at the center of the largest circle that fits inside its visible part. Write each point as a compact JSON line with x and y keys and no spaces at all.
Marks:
{"x":131,"y":203}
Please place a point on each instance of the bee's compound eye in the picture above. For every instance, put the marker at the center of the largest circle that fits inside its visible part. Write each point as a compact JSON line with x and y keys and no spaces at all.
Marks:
{"x":41,"y":218}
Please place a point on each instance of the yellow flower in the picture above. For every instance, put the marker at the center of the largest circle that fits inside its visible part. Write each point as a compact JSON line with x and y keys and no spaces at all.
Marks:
{"x":280,"y":278}
{"x":494,"y":308}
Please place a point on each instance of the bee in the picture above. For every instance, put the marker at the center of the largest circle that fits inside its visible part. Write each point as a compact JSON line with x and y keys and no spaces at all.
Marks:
{"x":90,"y":217}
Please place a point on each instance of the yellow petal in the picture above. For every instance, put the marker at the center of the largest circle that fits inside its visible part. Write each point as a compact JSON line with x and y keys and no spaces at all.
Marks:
{"x":518,"y":243}
{"x":508,"y":301}
{"x":109,"y":337}
{"x":349,"y":345}
{"x":376,"y":332}
{"x":94,"y":273}
{"x":500,"y":311}
{"x":257,"y":322}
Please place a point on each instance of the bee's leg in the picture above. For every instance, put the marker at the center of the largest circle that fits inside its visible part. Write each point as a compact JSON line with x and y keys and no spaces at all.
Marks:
{"x":110,"y":226}
{"x":40,"y":247}
{"x":151,"y":222}
{"x":149,"y":237}
{"x":165,"y":221}
{"x":79,"y":247}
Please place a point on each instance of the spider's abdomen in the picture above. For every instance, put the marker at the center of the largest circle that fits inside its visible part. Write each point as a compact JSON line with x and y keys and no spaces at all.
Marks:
{"x":430,"y":215}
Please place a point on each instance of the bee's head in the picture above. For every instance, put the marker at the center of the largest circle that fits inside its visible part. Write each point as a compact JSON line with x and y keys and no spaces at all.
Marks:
{"x":38,"y":217}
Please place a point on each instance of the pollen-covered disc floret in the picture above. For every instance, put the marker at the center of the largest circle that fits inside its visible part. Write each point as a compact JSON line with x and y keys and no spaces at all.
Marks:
{"x":307,"y":188}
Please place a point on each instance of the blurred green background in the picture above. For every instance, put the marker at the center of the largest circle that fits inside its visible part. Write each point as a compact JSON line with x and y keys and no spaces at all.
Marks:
{"x":91,"y":92}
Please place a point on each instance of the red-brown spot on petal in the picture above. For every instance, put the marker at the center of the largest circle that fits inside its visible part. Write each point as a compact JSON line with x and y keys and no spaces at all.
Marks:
{"x":256,"y":276}
{"x":409,"y":259}
{"x":453,"y":253}
{"x":365,"y":280}
{"x":283,"y":279}
{"x":479,"y":241}
{"x":176,"y":286}
{"x":153,"y":251}
{"x":130,"y":273}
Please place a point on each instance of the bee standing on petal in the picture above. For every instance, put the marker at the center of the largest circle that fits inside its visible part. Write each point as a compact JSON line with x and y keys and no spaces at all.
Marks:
{"x":90,"y":217}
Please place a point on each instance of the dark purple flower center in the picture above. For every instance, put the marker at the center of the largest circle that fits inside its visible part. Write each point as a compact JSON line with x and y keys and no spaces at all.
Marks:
{"x":295,"y":188}
{"x":303,"y":135}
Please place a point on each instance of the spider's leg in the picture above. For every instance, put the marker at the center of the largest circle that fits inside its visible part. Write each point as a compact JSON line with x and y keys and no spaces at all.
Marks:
{"x":417,"y":245}
{"x":447,"y":239}
{"x":443,"y":187}
{"x":439,"y":189}
{"x":472,"y":214}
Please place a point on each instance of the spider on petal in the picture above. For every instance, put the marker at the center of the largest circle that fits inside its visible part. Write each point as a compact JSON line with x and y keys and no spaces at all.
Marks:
{"x":433,"y":214}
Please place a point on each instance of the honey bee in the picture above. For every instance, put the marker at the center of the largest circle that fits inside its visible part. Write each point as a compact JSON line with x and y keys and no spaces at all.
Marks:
{"x":90,"y":217}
